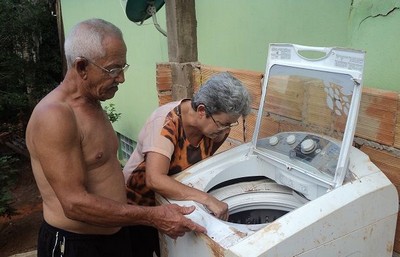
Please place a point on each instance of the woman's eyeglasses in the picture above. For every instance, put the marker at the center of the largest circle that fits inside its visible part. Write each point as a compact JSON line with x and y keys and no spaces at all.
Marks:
{"x":219,"y":125}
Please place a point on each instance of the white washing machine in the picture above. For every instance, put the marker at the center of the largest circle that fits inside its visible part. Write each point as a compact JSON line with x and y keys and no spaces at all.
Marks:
{"x":299,"y":188}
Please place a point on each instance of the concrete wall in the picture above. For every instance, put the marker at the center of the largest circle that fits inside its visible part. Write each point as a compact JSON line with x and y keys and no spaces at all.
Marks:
{"x":236,"y":33}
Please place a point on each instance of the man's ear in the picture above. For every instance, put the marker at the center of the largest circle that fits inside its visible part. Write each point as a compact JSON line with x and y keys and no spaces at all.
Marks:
{"x":80,"y":66}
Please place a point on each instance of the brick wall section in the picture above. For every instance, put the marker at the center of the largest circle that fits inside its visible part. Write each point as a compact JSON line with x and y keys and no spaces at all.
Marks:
{"x":377,"y":116}
{"x":378,"y":127}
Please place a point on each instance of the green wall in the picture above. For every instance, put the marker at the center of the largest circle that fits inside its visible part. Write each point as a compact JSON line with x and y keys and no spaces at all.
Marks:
{"x":236,"y":34}
{"x":241,"y":39}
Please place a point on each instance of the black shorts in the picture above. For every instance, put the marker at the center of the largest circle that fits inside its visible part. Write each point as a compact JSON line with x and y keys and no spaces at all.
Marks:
{"x":144,"y":241}
{"x":57,"y":242}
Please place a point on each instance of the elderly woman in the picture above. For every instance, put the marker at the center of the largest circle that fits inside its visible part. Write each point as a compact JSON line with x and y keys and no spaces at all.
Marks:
{"x":176,"y":136}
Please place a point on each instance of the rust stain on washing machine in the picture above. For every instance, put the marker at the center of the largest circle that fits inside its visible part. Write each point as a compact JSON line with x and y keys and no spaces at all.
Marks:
{"x":237,"y":232}
{"x":216,"y":249}
{"x":273,"y":227}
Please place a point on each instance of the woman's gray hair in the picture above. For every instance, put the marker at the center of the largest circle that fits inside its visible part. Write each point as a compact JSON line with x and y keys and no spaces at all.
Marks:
{"x":223,"y":93}
{"x":86,"y":38}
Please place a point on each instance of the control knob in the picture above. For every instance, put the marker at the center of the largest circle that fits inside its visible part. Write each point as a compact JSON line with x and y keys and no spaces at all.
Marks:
{"x":273,"y":140}
{"x":291,"y":139}
{"x":308,"y":146}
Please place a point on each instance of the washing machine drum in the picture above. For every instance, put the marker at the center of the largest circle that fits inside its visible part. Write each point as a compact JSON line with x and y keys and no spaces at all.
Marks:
{"x":256,"y":203}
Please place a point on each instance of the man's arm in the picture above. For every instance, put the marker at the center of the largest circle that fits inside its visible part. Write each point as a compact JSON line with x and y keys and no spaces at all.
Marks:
{"x":56,"y":142}
{"x":157,"y":166}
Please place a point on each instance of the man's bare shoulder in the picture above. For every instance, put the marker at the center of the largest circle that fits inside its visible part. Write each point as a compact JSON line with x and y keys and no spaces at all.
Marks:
{"x":49,"y":111}
{"x":52,"y":119}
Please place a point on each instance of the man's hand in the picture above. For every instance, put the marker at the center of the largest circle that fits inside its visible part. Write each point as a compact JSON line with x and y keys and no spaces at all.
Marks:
{"x":171,"y":221}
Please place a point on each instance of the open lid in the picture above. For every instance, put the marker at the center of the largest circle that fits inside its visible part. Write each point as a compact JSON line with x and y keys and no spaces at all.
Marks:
{"x":315,"y":90}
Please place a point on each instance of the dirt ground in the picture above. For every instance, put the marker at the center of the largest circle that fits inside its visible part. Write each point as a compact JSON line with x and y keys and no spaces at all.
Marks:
{"x":18,"y":233}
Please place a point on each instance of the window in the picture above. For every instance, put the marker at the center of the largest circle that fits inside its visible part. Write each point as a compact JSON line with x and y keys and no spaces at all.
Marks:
{"x":126,"y":147}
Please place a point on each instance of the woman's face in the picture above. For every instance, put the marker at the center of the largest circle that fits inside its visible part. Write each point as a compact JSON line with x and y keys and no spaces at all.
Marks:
{"x":219,"y":125}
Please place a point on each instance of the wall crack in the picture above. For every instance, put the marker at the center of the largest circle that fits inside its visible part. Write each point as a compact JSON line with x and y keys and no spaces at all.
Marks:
{"x":379,"y":15}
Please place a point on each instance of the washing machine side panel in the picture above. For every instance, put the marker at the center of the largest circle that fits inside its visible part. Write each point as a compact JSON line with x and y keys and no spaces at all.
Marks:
{"x":360,"y":164}
{"x":371,"y":241}
{"x":336,"y":214}
{"x":191,"y":244}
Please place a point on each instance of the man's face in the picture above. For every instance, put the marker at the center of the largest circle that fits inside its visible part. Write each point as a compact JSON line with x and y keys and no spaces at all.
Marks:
{"x":108,"y":72}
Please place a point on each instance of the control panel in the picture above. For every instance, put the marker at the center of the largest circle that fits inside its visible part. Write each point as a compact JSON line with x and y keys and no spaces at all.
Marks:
{"x":321,"y":153}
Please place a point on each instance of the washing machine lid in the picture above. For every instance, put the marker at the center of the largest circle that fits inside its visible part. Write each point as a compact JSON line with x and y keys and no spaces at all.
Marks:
{"x":315,"y":90}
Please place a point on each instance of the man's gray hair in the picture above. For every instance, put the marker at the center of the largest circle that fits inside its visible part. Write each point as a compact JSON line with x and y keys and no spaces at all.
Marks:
{"x":86,"y":38}
{"x":223,"y":93}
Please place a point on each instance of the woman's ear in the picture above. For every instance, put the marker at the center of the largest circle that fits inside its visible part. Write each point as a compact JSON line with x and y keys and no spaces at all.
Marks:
{"x":201,"y":110}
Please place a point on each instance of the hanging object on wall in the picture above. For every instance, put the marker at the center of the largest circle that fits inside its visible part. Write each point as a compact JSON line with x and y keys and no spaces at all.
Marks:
{"x":140,"y":10}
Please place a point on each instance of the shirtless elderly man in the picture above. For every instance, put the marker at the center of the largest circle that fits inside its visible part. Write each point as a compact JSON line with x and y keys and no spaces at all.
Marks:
{"x":73,"y":150}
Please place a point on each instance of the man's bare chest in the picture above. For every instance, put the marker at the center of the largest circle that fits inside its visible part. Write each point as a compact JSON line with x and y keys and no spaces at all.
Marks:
{"x":99,"y":142}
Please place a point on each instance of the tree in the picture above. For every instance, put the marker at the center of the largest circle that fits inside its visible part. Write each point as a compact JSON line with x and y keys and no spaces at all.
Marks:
{"x":7,"y":180}
{"x":30,"y":67}
{"x":30,"y":63}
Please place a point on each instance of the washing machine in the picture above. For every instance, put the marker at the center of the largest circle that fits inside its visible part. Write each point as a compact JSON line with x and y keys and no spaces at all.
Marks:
{"x":299,"y":188}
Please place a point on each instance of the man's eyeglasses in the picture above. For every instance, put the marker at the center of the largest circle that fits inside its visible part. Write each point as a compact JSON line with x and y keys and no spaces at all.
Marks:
{"x":114,"y":72}
{"x":219,"y":125}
